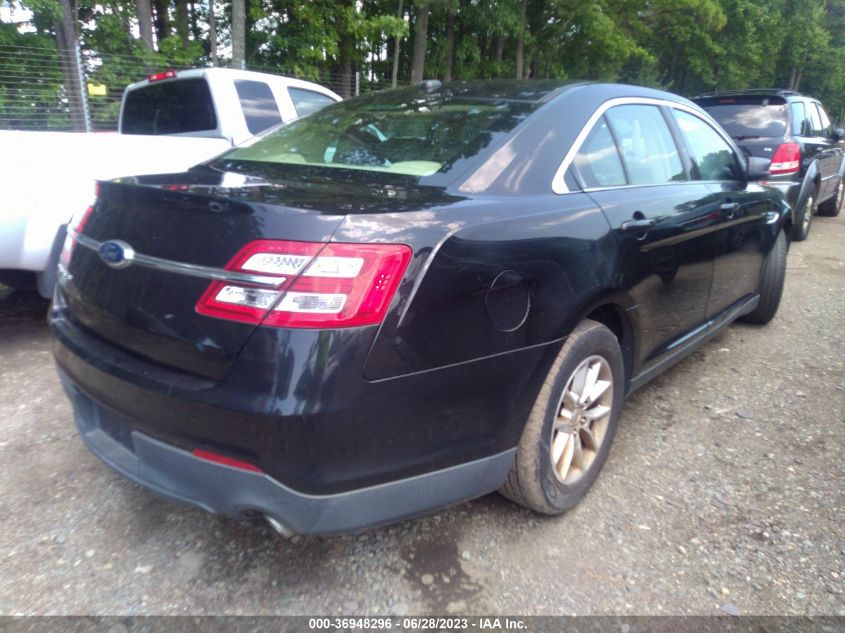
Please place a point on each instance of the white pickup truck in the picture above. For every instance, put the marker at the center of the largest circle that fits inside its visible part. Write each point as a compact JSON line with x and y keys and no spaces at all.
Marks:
{"x":169,"y":122}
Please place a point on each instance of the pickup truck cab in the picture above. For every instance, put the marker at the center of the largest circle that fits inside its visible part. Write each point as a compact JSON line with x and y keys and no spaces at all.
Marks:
{"x":169,"y":122}
{"x":234,"y":105}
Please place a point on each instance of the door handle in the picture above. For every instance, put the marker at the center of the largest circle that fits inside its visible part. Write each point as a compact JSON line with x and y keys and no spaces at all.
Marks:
{"x":638,"y":226}
{"x":728,"y":209}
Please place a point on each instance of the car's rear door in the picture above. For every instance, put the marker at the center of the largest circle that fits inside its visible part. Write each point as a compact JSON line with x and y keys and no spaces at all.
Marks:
{"x":830,"y":154}
{"x":740,"y":210}
{"x":815,"y":145}
{"x":630,"y":165}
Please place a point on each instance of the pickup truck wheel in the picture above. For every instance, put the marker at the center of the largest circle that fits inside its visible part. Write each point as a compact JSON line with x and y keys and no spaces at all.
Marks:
{"x":569,"y":431}
{"x":23,"y":280}
{"x":771,"y":283}
{"x":801,"y":228}
{"x":831,"y":208}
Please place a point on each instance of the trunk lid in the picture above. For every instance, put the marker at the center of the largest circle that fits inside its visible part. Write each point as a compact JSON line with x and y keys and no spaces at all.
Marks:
{"x":200,"y":219}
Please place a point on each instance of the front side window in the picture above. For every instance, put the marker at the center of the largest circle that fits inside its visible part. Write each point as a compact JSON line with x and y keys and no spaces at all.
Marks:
{"x":645,"y":142}
{"x":258,"y":105}
{"x":598,"y":161}
{"x":713,"y":158}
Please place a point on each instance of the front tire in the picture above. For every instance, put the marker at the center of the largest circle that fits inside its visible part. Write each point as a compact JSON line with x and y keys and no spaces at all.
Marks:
{"x":568,"y":434}
{"x":771,"y":283}
{"x":801,"y":228}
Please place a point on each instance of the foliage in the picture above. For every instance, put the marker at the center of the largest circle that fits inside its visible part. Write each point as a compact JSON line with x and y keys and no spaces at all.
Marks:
{"x":687,"y":46}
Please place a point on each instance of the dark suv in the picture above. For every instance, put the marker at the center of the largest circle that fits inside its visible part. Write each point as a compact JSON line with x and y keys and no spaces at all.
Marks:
{"x":795,"y":132}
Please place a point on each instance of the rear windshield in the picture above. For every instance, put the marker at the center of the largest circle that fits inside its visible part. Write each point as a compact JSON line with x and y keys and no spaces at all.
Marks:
{"x":745,"y":118}
{"x":169,"y":107}
{"x":404,"y":132}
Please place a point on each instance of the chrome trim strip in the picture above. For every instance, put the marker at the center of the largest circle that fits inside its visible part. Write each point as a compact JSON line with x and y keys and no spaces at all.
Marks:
{"x":558,"y":182}
{"x":192,"y":270}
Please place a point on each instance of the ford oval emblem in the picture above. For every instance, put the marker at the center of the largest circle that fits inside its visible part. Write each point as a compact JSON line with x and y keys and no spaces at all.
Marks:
{"x":116,"y":254}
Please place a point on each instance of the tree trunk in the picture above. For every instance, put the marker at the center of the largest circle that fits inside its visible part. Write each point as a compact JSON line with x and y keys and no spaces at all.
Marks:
{"x":238,"y":33}
{"x":498,"y":48}
{"x":797,"y":83}
{"x":450,"y":43}
{"x":195,"y":27}
{"x":162,"y":19}
{"x":397,"y":45}
{"x":212,"y":34}
{"x":67,"y":40}
{"x":182,"y":22}
{"x":145,"y":22}
{"x":420,"y":41}
{"x":520,"y":41}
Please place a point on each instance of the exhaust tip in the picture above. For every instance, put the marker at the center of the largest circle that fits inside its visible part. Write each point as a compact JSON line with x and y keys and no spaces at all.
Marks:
{"x":280,"y":527}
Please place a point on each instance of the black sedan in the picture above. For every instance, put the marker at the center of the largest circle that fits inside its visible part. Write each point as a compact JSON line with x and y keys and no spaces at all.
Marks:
{"x":409,"y":299}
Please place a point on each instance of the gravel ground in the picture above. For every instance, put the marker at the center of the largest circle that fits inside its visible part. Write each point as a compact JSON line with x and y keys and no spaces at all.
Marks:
{"x":723,"y":493}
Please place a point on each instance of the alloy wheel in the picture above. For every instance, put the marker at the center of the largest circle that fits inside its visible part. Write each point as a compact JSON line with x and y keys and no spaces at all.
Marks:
{"x":583,"y":415}
{"x":809,"y":206}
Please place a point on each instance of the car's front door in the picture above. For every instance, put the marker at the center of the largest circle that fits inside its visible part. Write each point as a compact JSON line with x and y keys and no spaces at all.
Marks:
{"x":630,"y":165}
{"x":741,"y":211}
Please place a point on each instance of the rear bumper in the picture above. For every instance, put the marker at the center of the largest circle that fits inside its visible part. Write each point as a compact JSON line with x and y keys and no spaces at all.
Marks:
{"x":177,"y":474}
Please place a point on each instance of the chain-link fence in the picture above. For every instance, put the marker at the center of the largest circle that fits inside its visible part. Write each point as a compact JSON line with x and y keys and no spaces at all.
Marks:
{"x":50,"y":89}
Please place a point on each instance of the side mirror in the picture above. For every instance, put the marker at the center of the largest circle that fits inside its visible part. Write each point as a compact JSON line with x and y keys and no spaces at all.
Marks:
{"x":757,"y":168}
{"x":838,"y":134}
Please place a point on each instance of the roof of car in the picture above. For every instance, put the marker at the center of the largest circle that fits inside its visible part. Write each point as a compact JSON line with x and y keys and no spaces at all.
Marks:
{"x":761,"y":92}
{"x":235,"y":73}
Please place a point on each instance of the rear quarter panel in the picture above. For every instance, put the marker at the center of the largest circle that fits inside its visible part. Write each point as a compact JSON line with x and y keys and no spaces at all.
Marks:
{"x":502,"y":275}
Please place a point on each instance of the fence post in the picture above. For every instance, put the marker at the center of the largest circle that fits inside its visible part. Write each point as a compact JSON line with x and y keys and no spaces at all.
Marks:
{"x":83,"y":88}
{"x":357,"y":82}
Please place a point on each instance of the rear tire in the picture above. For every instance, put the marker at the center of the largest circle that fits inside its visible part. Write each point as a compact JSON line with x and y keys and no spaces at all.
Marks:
{"x":830,"y":208}
{"x":560,"y":428}
{"x":801,"y":227}
{"x":771,"y":283}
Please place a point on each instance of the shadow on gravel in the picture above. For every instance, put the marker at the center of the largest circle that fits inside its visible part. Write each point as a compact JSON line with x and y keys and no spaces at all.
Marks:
{"x":22,"y":307}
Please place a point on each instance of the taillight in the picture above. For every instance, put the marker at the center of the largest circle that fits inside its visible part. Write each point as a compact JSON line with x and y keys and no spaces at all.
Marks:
{"x":77,"y":223}
{"x":787,"y":159}
{"x":320,"y":285}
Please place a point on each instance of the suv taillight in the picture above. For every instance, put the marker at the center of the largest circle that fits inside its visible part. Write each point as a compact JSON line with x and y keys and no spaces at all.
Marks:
{"x":320,"y":285}
{"x":787,"y":159}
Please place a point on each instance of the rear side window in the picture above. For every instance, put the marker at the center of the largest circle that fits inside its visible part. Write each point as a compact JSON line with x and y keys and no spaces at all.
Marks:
{"x":713,"y":158}
{"x":815,"y":120}
{"x":169,"y":107}
{"x":598,"y":161}
{"x":258,"y":104}
{"x":308,"y":101}
{"x":799,"y":115}
{"x":648,"y":150}
{"x":748,"y":117}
